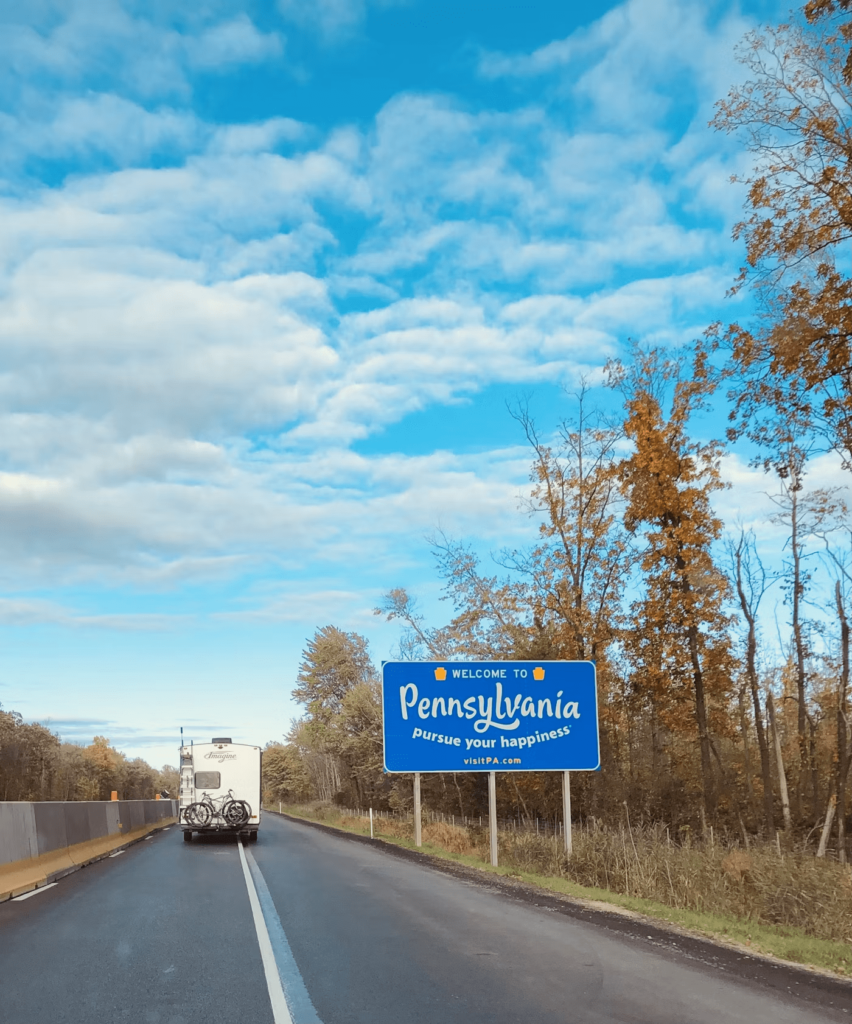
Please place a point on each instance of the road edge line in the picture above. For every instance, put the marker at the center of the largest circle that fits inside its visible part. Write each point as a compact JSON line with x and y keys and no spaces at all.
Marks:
{"x":280,"y":1009}
{"x":302,"y":1008}
{"x":33,"y":892}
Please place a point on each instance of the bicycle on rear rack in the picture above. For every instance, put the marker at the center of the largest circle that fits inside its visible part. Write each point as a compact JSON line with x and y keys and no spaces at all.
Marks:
{"x":217,"y":811}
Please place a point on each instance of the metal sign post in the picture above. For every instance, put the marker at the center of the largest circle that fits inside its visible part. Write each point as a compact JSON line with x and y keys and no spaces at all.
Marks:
{"x":418,"y":838}
{"x":566,"y":811}
{"x":492,"y":815}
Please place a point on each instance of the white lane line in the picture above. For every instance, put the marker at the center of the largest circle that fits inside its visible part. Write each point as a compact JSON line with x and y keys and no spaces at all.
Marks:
{"x":280,"y":1010}
{"x":117,"y":853}
{"x":302,"y":1010}
{"x":33,"y":892}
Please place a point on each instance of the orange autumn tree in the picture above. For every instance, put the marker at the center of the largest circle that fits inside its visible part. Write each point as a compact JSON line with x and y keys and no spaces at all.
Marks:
{"x":103,"y":768}
{"x":679,"y":643}
{"x":792,"y":368}
{"x":794,"y":114}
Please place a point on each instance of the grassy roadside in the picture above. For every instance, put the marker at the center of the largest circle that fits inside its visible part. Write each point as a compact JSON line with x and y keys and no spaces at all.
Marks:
{"x":784,"y":942}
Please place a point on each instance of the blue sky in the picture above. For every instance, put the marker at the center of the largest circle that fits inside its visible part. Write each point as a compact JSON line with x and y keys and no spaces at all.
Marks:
{"x":269,"y":274}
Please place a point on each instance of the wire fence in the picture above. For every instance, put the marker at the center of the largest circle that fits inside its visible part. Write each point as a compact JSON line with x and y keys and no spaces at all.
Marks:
{"x":554,"y":828}
{"x":538,"y":826}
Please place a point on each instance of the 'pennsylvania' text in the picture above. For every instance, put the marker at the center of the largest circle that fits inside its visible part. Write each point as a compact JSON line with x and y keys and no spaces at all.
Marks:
{"x":497,"y":711}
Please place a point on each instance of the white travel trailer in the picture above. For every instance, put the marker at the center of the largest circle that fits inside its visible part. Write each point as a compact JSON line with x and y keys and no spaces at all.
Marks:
{"x":220,"y":788}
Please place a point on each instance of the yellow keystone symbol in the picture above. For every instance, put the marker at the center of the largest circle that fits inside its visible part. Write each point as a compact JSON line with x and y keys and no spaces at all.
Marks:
{"x":538,"y":673}
{"x":440,"y":673}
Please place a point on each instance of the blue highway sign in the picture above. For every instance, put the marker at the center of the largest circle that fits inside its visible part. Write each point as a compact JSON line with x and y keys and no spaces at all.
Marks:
{"x":485,"y":716}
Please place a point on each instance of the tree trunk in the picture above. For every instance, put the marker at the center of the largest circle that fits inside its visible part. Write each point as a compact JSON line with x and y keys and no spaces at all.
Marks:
{"x":812,"y":761}
{"x":765,"y":761}
{"x":701,"y":719}
{"x":826,"y":828}
{"x":842,"y":768}
{"x":727,"y":784}
{"x":752,"y":798}
{"x":655,"y":742}
{"x":707,"y":789}
{"x":799,"y":644}
{"x":843,"y":749}
{"x":751,"y":674}
{"x":779,"y":757}
{"x":458,"y":793}
{"x":520,"y":798}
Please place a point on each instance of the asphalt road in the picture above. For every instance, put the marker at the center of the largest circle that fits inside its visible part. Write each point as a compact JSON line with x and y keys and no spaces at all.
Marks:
{"x":171,"y":933}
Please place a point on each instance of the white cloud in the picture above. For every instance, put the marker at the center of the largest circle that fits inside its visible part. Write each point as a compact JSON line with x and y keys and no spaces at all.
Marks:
{"x":193,"y":358}
{"x":307,"y":606}
{"x":332,"y":19}
{"x":260,"y":137}
{"x":145,"y":52}
{"x":167,"y":527}
{"x":195,"y":332}
{"x":34,"y":612}
{"x":232,"y":42}
{"x":101,"y":124}
{"x":625,"y":61}
{"x":206,"y":326}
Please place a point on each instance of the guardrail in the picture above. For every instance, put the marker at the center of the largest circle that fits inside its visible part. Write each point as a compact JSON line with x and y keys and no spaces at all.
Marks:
{"x":42,"y":841}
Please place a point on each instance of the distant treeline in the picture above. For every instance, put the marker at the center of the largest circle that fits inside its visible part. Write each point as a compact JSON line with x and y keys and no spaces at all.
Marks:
{"x":36,"y":765}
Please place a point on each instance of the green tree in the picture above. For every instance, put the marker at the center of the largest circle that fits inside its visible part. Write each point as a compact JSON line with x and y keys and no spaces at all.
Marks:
{"x":360,"y":741}
{"x":317,"y":750}
{"x":167,"y":780}
{"x":136,"y":779}
{"x":332,"y":663}
{"x":29,"y":755}
{"x":285,"y":776}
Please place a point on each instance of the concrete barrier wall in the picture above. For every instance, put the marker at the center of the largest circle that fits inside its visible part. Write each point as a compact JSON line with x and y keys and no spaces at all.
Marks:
{"x":34,"y":829}
{"x":18,"y":835}
{"x":42,"y":842}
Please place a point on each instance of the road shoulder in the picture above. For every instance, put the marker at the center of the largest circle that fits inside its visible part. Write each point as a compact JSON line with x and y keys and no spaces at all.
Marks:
{"x":812,"y":984}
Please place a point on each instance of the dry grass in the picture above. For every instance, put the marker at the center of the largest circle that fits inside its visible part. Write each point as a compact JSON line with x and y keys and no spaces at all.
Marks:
{"x":754,"y":887}
{"x":449,"y":838}
{"x":388,"y":828}
{"x":757,"y":885}
{"x":445,"y":837}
